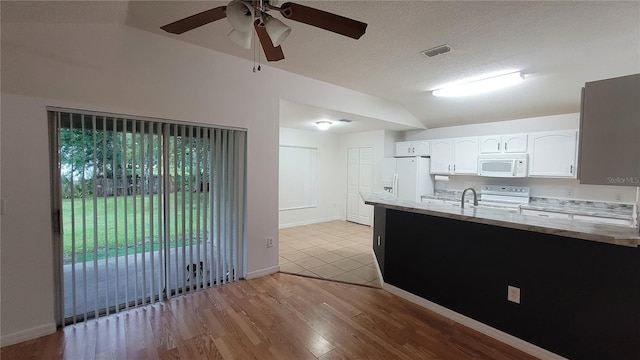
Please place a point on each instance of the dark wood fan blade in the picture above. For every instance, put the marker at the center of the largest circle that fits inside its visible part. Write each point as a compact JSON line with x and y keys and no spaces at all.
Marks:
{"x":272,"y":53}
{"x":324,"y":20}
{"x":197,"y":20}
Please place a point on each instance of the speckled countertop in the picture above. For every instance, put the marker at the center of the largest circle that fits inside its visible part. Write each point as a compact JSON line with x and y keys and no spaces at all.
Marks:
{"x":567,"y":206}
{"x":603,"y":233}
{"x":580,"y":207}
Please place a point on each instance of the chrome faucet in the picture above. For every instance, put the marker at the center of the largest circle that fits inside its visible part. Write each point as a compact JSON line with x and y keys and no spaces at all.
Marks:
{"x":475,"y":197}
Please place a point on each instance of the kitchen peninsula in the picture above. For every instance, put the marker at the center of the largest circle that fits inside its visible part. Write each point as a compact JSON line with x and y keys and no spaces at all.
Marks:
{"x":579,"y":282}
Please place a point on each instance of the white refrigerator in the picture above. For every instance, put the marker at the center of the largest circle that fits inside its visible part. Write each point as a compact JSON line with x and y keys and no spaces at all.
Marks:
{"x":407,"y":178}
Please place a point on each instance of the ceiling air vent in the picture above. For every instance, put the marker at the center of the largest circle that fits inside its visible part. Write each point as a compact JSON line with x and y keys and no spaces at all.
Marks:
{"x":442,"y":49}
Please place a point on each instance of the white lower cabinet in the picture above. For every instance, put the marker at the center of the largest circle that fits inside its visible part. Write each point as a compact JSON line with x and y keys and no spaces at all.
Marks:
{"x":603,"y":220}
{"x":578,"y":217}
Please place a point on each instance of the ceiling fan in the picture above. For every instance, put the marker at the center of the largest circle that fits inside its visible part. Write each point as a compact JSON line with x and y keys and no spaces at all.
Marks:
{"x":247,"y":15}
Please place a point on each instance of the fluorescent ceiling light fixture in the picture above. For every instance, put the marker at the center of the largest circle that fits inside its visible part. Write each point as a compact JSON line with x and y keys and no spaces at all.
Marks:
{"x":323,"y":125}
{"x":480,"y":86}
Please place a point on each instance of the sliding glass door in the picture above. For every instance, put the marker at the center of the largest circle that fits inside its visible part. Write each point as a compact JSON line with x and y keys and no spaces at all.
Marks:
{"x":145,"y":210}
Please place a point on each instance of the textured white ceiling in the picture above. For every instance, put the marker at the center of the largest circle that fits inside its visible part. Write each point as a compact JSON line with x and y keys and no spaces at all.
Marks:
{"x":560,"y":45}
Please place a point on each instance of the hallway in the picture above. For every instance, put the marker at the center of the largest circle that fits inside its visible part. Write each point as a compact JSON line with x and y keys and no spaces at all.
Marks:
{"x":335,"y":250}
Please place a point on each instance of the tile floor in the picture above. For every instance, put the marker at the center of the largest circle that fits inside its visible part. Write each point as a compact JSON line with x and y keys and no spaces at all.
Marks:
{"x":336,"y":250}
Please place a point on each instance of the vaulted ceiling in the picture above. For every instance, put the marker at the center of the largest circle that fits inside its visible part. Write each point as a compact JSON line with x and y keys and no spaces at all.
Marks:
{"x":559,"y":45}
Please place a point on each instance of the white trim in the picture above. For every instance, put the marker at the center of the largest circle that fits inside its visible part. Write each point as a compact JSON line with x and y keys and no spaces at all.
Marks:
{"x":474,"y":324}
{"x":28,"y":334}
{"x":263,"y":272}
{"x":378,"y":269}
{"x":308,"y":222}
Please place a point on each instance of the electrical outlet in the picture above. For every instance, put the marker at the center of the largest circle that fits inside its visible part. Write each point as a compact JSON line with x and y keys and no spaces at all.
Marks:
{"x":513,"y":294}
{"x":269,"y":242}
{"x":618,"y":197}
{"x":569,"y":192}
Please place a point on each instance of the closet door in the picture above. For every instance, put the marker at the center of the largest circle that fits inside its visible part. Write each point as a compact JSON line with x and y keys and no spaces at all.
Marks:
{"x":360,"y":169}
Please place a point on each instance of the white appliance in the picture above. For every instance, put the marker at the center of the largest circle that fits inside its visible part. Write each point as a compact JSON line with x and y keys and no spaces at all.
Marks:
{"x":503,"y":165}
{"x":407,"y":178}
{"x":505,"y":196}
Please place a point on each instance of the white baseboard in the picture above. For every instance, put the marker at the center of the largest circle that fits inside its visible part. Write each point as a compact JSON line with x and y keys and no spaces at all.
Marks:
{"x":308,"y":222}
{"x":263,"y":272}
{"x":499,"y":335}
{"x":28,"y":334}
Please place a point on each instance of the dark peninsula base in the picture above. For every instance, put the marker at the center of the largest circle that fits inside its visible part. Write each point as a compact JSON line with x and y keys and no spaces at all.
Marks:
{"x":579,"y":299}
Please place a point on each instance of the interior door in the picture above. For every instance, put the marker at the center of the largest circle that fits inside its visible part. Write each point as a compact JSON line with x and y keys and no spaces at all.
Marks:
{"x":359,"y":179}
{"x":353,"y":181}
{"x":365,"y":184}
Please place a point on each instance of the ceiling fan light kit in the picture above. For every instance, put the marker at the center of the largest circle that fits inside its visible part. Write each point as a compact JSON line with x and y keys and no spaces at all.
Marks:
{"x":240,"y":16}
{"x":241,"y":38}
{"x":276,"y":29}
{"x":480,"y":86}
{"x":243,"y":15}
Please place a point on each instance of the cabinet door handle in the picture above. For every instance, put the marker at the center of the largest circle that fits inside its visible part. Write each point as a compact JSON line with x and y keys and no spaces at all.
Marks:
{"x":449,"y":167}
{"x":454,"y":167}
{"x":498,"y":146}
{"x":543,"y":215}
{"x":505,"y":146}
{"x":571,"y":171}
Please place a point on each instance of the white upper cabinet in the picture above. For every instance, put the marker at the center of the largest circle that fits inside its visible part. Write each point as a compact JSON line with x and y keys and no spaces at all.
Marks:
{"x":454,"y":156}
{"x":498,"y":144}
{"x":412,"y":148}
{"x":441,"y":154}
{"x":553,"y":154}
{"x":465,"y":155}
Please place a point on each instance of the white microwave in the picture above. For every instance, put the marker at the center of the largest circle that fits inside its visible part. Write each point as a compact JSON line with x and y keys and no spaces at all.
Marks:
{"x":504,"y":165}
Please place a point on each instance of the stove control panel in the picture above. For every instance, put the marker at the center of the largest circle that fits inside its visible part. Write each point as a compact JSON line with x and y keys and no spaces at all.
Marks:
{"x":505,"y":190}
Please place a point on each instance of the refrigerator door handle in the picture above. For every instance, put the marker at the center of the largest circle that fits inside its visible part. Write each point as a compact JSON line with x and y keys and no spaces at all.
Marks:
{"x":395,"y":185}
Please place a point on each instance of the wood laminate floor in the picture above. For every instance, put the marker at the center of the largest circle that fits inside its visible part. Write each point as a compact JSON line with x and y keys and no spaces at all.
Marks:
{"x":281,"y":316}
{"x":336,"y":250}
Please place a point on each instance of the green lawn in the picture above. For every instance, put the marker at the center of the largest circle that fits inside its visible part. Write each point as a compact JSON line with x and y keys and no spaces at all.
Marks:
{"x":115,"y":230}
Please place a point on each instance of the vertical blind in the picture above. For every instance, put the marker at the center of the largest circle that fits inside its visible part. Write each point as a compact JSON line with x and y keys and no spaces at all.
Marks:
{"x":148,"y":210}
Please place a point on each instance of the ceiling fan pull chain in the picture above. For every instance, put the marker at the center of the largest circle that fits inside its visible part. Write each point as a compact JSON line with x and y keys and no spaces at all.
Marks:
{"x":254,"y":54}
{"x":259,"y":61}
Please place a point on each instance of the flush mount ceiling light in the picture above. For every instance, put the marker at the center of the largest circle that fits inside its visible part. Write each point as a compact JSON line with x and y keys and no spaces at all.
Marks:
{"x":323,"y":125}
{"x":480,"y":86}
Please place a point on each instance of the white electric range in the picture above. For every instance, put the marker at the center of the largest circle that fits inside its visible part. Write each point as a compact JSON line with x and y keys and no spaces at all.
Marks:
{"x":509,"y":197}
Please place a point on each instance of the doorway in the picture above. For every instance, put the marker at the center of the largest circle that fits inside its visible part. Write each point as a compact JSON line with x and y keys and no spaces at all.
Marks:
{"x":146,"y":209}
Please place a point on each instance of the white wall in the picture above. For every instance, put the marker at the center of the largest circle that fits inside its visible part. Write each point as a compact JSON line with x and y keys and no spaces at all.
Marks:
{"x":328,"y":182}
{"x":114,"y":68}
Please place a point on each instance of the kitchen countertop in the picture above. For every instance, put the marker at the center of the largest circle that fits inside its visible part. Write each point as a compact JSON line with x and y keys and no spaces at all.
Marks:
{"x":603,"y":233}
{"x":581,"y":207}
{"x":566,"y":206}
